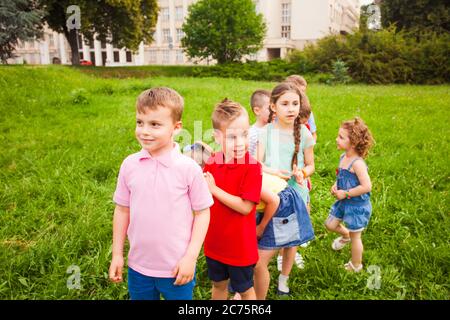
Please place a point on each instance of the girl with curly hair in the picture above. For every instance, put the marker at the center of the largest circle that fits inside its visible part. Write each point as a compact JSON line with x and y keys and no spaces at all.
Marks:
{"x":352,"y":191}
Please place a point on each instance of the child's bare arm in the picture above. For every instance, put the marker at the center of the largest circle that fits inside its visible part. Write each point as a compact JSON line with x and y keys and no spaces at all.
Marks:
{"x":184,"y":271}
{"x":363,"y":177}
{"x":234,"y":202}
{"x":121,"y":221}
{"x":272,"y":202}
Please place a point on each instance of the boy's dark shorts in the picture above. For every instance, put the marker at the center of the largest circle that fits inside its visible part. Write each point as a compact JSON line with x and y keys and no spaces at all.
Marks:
{"x":241,"y":278}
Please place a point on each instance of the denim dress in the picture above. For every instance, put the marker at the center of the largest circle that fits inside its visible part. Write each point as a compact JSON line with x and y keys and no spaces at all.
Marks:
{"x":291,"y":224}
{"x":356,"y":211}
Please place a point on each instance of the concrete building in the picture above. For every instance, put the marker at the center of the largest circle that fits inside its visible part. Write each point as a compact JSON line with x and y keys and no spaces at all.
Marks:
{"x":291,"y":24}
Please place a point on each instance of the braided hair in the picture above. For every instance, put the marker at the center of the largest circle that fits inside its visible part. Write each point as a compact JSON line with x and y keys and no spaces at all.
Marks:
{"x":277,"y":92}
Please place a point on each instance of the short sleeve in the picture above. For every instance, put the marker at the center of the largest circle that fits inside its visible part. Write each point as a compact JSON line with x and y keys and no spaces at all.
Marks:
{"x":250,"y":188}
{"x":312,"y":123}
{"x":122,"y":193}
{"x":199,"y":194}
{"x":307,"y":138}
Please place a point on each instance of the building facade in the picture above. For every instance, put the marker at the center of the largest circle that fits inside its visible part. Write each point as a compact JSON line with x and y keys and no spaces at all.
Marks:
{"x":291,"y":24}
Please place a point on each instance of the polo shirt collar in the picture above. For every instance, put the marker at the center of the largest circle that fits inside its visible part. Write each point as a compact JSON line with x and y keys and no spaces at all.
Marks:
{"x":166,"y":159}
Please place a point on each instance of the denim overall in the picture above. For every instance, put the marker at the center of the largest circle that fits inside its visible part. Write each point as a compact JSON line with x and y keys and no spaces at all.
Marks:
{"x":356,"y":211}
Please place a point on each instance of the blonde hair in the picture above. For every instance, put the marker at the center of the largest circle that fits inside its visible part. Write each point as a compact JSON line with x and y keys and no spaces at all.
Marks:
{"x":225,"y":112}
{"x":164,"y":97}
{"x":297,"y":80}
{"x":360,"y":136}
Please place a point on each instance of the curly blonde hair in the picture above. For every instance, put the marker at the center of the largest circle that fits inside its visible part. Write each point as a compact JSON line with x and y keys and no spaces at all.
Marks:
{"x":360,"y":136}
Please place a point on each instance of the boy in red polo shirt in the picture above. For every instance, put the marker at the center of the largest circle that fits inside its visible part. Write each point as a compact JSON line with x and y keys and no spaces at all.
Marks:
{"x":234,"y":178}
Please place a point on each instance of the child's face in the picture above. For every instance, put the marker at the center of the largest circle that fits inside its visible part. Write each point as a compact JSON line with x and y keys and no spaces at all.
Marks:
{"x":155,"y":130}
{"x":234,"y":138}
{"x":287,"y":107}
{"x":343,"y":140}
{"x":262,"y":112}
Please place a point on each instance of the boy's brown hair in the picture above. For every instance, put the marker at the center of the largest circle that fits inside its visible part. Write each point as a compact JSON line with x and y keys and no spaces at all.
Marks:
{"x":360,"y":136}
{"x":164,"y":97}
{"x":257,"y":97}
{"x":225,"y":112}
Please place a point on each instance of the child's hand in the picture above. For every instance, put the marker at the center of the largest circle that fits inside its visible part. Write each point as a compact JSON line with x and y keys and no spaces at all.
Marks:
{"x":115,"y":269}
{"x":333,"y":189}
{"x":298,"y":174}
{"x":184,"y":271}
{"x":283,"y":174}
{"x":339,"y":194}
{"x":210,"y":181}
{"x":259,"y":231}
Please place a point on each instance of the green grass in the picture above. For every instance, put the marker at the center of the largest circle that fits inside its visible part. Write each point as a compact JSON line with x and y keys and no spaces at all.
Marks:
{"x":64,"y":134}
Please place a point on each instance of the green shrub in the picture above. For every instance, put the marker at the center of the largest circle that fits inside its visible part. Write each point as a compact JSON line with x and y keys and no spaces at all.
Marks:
{"x":384,"y":56}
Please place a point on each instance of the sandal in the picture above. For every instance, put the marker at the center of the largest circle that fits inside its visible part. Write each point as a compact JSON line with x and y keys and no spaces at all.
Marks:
{"x":350,"y":267}
{"x":339,"y":243}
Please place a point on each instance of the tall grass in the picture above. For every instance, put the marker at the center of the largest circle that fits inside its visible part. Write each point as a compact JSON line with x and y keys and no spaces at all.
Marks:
{"x":63,"y":135}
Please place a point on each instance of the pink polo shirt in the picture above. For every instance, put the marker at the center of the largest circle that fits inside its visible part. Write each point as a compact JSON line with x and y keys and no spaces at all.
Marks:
{"x":161,"y":193}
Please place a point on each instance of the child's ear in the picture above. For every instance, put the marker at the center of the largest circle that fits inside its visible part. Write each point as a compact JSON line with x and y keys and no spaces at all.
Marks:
{"x":177,"y":127}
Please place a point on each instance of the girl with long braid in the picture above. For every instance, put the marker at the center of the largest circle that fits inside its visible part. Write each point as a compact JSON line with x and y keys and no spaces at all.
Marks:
{"x":286,"y":151}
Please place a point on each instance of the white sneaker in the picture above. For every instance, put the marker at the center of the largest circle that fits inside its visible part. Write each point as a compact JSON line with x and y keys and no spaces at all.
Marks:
{"x":299,"y":261}
{"x":279,"y":262}
{"x":304,"y":245}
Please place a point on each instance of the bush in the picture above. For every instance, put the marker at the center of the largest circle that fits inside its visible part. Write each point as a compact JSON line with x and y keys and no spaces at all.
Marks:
{"x":384,"y":56}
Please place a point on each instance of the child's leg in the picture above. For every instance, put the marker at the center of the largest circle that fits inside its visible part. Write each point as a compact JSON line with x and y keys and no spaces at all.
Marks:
{"x":288,"y":260}
{"x":335,"y":225}
{"x":249,"y":294}
{"x":219,"y":290}
{"x":357,"y":248}
{"x":262,"y":275}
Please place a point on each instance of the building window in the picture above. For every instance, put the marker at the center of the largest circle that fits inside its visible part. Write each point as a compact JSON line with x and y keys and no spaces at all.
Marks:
{"x":180,"y":56}
{"x":165,"y":14}
{"x":286,"y":32}
{"x":116,"y":56}
{"x":179,"y":13}
{"x":152,"y":56}
{"x":166,"y":35}
{"x":166,"y":56}
{"x":128,"y":54}
{"x":285,"y":13}
{"x":180,"y":34}
{"x":51,"y":40}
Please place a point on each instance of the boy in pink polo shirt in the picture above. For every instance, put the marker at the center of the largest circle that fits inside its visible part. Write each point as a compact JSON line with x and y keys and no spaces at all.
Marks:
{"x":234,"y":178}
{"x":158,"y":190}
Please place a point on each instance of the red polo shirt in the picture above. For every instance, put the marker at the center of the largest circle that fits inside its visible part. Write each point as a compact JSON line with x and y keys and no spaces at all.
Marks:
{"x":231,"y":237}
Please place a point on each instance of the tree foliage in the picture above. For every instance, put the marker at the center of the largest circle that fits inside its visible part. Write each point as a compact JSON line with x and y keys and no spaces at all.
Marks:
{"x":19,"y":20}
{"x":223,"y":30}
{"x":123,"y":23}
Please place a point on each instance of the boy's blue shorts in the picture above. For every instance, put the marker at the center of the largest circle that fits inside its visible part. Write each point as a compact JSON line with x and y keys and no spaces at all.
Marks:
{"x":241,"y":278}
{"x":142,"y":287}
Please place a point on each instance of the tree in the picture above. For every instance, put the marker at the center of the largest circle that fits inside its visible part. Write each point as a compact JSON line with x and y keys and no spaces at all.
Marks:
{"x":417,"y":15}
{"x":121,"y":23}
{"x":223,"y":30}
{"x":19,"y":20}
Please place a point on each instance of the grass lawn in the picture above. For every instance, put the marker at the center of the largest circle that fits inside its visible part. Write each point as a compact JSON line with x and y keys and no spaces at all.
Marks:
{"x":64,"y":134}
